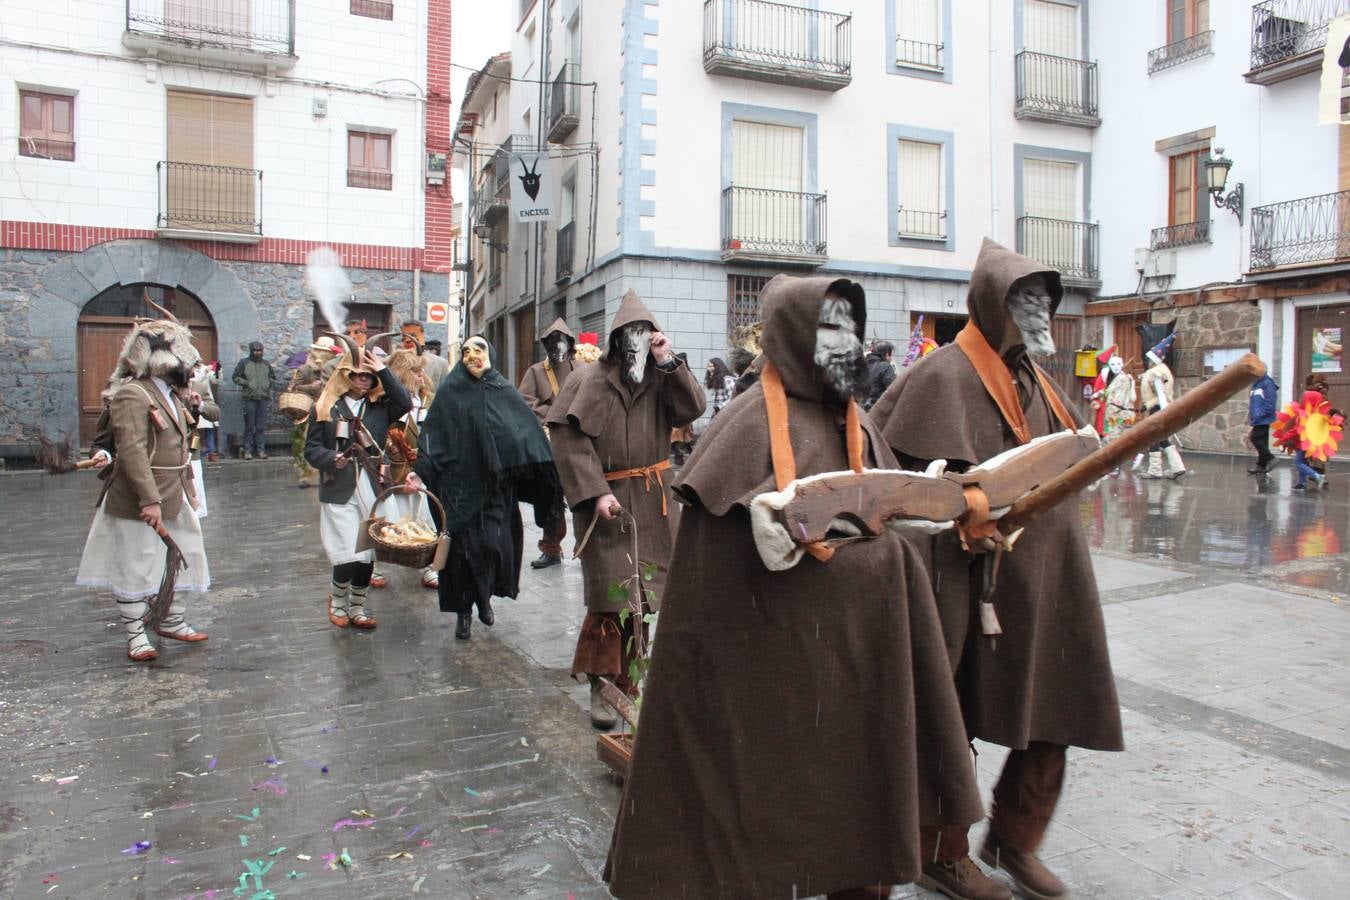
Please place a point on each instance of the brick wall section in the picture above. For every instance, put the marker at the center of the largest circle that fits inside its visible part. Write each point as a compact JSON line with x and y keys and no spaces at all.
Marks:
{"x":438,"y":200}
{"x":74,"y":238}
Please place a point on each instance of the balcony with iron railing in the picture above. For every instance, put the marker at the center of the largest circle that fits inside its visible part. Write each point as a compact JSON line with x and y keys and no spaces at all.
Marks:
{"x":563,"y":105}
{"x":1056,"y":89}
{"x":785,"y":227}
{"x":1171,"y":236}
{"x":489,"y":202}
{"x":922,"y":225}
{"x":1288,"y":37}
{"x":254,"y":34}
{"x":1310,"y":231}
{"x":1178,"y":52}
{"x":918,"y":54}
{"x":219,"y":203}
{"x":566,"y":249}
{"x":782,"y":43}
{"x":1073,"y":248}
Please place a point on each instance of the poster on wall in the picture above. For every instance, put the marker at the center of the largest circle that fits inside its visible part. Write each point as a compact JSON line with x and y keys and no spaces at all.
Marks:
{"x":1326,"y":350}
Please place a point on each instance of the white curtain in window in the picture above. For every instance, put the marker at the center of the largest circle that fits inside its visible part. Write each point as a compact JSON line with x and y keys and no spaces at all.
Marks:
{"x":920,"y":173}
{"x":767,"y":158}
{"x":917,"y":20}
{"x":1049,"y":27}
{"x":1050,"y":195}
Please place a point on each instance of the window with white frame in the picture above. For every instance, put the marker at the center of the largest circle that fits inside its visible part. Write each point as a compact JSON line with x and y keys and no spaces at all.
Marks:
{"x":921,"y":213}
{"x":918,"y":34}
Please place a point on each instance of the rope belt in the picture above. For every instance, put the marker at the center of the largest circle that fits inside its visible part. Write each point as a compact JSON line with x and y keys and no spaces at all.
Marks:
{"x":648,"y":474}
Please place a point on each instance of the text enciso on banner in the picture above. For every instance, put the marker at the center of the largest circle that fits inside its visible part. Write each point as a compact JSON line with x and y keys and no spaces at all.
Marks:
{"x":534,"y":188}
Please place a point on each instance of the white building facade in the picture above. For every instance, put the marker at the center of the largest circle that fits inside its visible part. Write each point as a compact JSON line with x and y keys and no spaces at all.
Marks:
{"x":193,"y":152}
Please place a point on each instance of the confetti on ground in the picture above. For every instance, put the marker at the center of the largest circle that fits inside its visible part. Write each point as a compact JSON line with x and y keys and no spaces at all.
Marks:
{"x":292,"y":874}
{"x":471,"y":792}
{"x":424,"y":843}
{"x":407,"y":835}
{"x":275,"y":852}
{"x":170,"y":861}
{"x":327,"y":728}
{"x":67,"y":779}
{"x":540,"y":873}
{"x":345,"y":858}
{"x":363,"y":813}
{"x":251,"y":817}
{"x":52,"y":888}
{"x":148,"y":815}
{"x":276,"y":787}
{"x":191,"y":739}
{"x":352,"y":823}
{"x":186,"y":774}
{"x":243,"y":840}
{"x":304,"y":856}
{"x":474,"y":828}
{"x":211,"y":766}
{"x":417,"y":885}
{"x":271,"y":761}
{"x":398,"y":812}
{"x":331,"y":860}
{"x":494,"y":831}
{"x":324,"y":769}
{"x":137,"y":848}
{"x":402,"y":854}
{"x":524,"y":743}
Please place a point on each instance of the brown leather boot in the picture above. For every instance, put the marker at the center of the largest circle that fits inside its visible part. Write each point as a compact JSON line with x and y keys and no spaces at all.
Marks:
{"x":961,"y":880}
{"x":1032,"y":877}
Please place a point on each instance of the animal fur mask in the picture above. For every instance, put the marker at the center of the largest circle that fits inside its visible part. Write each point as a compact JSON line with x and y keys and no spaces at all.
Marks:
{"x":160,"y":348}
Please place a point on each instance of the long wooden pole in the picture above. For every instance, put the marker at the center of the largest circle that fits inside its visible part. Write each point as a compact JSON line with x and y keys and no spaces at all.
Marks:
{"x":1139,"y":437}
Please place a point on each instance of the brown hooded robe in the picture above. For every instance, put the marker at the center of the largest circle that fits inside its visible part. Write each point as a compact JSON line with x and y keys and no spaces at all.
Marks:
{"x":796,"y":726}
{"x":599,"y":424}
{"x":535,"y":387}
{"x":1047,"y":677}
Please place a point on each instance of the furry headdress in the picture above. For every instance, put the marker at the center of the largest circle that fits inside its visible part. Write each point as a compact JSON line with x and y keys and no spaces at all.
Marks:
{"x":340,"y":382}
{"x":157,"y":347}
{"x":406,"y":364}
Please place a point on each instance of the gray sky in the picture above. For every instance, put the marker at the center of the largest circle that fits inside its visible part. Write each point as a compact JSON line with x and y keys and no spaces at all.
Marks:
{"x":479,"y":29}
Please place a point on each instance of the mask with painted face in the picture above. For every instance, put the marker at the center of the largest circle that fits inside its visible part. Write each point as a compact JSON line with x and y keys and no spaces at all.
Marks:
{"x":476,"y":356}
{"x":636,"y":342}
{"x":1116,"y":365}
{"x":1029,"y":306}
{"x":839,"y":352}
{"x":559,"y":350}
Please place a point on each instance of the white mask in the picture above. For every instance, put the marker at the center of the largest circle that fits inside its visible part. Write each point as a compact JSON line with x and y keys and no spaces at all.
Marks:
{"x":1117,"y":365}
{"x":559,"y":352}
{"x":636,"y":342}
{"x":839,"y":352}
{"x":1029,"y":305}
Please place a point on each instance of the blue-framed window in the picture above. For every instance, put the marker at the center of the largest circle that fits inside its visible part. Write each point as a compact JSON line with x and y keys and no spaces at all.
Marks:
{"x":919,"y":39}
{"x":921,"y":188}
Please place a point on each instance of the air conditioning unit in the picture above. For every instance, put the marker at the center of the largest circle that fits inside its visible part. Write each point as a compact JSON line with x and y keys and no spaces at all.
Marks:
{"x":1155,"y":263}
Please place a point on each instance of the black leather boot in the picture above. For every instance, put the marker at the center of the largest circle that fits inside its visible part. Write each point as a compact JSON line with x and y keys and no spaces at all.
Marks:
{"x":463,"y":625}
{"x":485,"y":613}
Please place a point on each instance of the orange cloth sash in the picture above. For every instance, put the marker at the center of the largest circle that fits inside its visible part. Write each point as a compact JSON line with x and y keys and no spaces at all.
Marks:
{"x":648,"y":474}
{"x":780,"y":442}
{"x":999,"y":383}
{"x":552,"y":379}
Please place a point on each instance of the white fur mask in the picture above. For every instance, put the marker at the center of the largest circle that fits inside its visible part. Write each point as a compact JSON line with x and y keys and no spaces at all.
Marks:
{"x":635,"y":341}
{"x":559,"y":351}
{"x":1029,"y":305}
{"x":839,"y":352}
{"x":1116,"y":364}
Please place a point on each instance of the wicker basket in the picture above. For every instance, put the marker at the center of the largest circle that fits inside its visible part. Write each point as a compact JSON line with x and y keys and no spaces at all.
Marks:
{"x":418,"y":557}
{"x":295,"y":405}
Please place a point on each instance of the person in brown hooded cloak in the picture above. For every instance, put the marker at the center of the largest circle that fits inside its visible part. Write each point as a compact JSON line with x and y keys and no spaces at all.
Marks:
{"x":610,"y":427}
{"x":1044,"y":683}
{"x":797,"y":725}
{"x":541,"y":385}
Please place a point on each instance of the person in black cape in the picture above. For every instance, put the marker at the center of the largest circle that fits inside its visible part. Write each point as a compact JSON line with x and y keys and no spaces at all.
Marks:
{"x":482,"y":452}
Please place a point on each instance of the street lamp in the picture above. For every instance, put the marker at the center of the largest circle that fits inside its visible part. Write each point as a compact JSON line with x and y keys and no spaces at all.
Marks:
{"x":1216,"y":171}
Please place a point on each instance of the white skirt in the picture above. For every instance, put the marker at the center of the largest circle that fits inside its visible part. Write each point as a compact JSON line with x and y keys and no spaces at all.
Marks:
{"x":340,"y":523}
{"x":127,"y":557}
{"x":199,"y":482}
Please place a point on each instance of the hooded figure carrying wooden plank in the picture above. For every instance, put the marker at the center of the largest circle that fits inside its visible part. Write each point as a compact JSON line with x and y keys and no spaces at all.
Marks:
{"x":797,"y":725}
{"x":1044,"y":683}
{"x":610,"y":428}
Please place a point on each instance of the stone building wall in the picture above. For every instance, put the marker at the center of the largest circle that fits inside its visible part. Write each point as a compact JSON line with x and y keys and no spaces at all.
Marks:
{"x":43,"y":292}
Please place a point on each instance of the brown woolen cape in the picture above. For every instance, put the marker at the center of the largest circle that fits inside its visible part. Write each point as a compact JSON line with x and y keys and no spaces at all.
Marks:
{"x":535,"y":387}
{"x":1047,"y":677}
{"x":796,"y":726}
{"x":597,"y":425}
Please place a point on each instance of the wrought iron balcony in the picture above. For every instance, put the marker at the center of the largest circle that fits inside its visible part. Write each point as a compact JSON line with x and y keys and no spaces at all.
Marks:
{"x":1301,"y":232}
{"x":46,"y":148}
{"x":489,"y":203}
{"x":1170,"y":236}
{"x":778,"y":42}
{"x":1071,"y":247}
{"x":918,"y":54}
{"x":1288,"y":37}
{"x":566,"y":248}
{"x":1056,"y":89}
{"x":1178,"y":52}
{"x":252,"y":33}
{"x":563,"y":108}
{"x":222,"y":202}
{"x":921,"y":225}
{"x":773,"y":226}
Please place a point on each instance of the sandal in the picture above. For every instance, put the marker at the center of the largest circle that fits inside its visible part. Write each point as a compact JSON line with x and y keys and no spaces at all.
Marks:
{"x":145,"y":654}
{"x":340,"y":620}
{"x":378,"y":581}
{"x":361,"y":620}
{"x":187,"y":635}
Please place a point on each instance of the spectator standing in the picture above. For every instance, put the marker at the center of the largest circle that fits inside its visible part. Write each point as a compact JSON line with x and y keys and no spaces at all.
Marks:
{"x":882,"y":371}
{"x":1261,"y":406}
{"x":720,"y":383}
{"x":255,"y":378}
{"x":204,"y":381}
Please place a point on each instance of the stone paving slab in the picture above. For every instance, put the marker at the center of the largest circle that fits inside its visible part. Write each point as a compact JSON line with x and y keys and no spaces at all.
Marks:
{"x":1235,"y":781}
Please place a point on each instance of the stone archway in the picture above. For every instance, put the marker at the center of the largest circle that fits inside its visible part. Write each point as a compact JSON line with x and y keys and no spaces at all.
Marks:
{"x":70,"y":281}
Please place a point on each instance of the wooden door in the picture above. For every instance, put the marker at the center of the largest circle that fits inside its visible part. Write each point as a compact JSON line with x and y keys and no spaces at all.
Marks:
{"x":1129,"y":346}
{"x":525,"y":346}
{"x":99,"y":346}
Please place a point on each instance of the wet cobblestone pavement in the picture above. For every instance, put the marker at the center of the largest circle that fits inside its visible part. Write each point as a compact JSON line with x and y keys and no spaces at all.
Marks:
{"x":468,"y":770}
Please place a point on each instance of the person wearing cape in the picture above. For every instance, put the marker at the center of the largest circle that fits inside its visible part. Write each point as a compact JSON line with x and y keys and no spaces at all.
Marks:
{"x":796,"y":726}
{"x":1043,"y":683}
{"x":610,"y":428}
{"x":482,"y":452}
{"x":145,"y":433}
{"x":540,"y":386}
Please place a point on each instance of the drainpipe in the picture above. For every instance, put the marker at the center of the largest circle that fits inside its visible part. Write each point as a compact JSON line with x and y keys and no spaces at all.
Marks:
{"x":993,"y":128}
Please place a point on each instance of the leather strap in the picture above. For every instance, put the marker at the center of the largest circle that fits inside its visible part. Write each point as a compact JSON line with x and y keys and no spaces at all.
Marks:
{"x":780,"y":442}
{"x":552,"y":379}
{"x":999,"y":384}
{"x":648,"y":474}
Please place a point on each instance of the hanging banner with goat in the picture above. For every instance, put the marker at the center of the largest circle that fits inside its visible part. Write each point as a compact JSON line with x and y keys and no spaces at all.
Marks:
{"x":534,"y":189}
